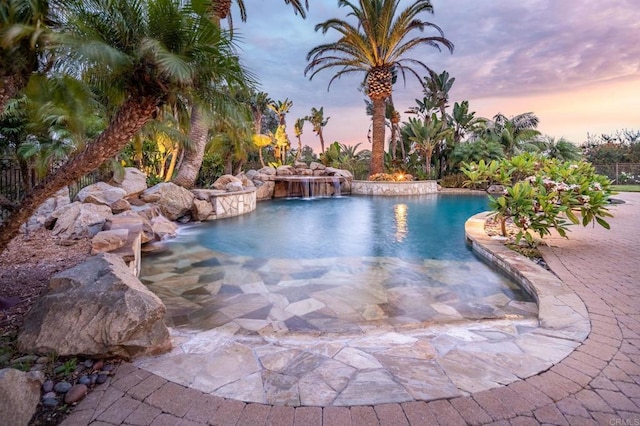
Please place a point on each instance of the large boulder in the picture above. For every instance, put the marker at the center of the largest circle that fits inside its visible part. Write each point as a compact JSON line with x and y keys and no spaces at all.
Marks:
{"x":223,"y":181}
{"x":268,"y":170}
{"x":133,"y":182}
{"x":285,"y":170}
{"x":264,"y":190}
{"x":98,"y":309}
{"x":163,"y":228}
{"x":57,"y":201}
{"x":202,"y":210}
{"x":19,"y":395}
{"x":316,"y":166}
{"x":133,"y":221}
{"x":107,"y":241}
{"x":234,"y":187}
{"x":174,"y":201}
{"x":78,"y":220}
{"x":100,"y":193}
{"x":246,"y":181}
{"x":332,"y":171}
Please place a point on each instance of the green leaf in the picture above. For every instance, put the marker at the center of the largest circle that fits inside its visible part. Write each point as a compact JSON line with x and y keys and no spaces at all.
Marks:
{"x":603,"y":223}
{"x":572,"y":217}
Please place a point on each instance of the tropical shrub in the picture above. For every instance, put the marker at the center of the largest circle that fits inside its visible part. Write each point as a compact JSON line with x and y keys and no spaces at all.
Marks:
{"x":455,"y":180}
{"x":541,"y":194}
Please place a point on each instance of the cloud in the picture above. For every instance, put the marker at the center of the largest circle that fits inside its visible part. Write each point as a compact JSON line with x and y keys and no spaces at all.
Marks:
{"x":504,"y":50}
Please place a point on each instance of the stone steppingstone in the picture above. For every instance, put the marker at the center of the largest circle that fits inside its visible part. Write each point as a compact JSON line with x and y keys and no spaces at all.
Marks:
{"x":277,"y":361}
{"x":424,"y":380}
{"x":281,"y":389}
{"x":335,"y":374}
{"x":372,"y":387}
{"x":471,"y":374}
{"x":230,"y":363}
{"x":357,"y":359}
{"x":315,"y":392}
{"x":248,"y":389}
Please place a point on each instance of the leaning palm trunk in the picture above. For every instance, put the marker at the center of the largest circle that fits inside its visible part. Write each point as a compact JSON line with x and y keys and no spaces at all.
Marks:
{"x":128,"y":121}
{"x":192,"y":160}
{"x":377,"y":144}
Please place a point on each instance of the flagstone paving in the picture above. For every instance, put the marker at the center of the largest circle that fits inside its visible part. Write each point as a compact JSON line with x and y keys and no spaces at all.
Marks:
{"x":597,"y":383}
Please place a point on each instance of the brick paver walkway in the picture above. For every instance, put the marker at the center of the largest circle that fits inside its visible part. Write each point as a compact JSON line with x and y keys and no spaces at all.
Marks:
{"x":597,"y":384}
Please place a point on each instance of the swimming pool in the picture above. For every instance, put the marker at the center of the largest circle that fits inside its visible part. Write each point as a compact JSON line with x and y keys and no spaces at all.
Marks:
{"x":333,"y":265}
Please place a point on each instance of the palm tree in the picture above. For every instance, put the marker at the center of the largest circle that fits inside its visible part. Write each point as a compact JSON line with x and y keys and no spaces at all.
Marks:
{"x":464,"y":122}
{"x":376,"y":46}
{"x":23,"y":34}
{"x":281,"y":140}
{"x":561,"y":149}
{"x":426,"y":135}
{"x":281,"y":108}
{"x":437,"y":87}
{"x":259,"y":102}
{"x":318,"y":121}
{"x":297,"y":129}
{"x":216,"y":10}
{"x":139,"y":53}
{"x":512,"y":132}
{"x":221,"y":9}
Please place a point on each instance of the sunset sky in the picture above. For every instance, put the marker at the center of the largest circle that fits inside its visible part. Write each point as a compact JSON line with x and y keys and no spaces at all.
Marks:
{"x":575,"y":64}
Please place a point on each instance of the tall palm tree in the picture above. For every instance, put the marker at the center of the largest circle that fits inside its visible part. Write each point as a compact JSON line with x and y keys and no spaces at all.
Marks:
{"x":200,"y":123}
{"x":281,"y":140}
{"x":318,"y":121}
{"x":377,"y":46}
{"x":259,"y":102}
{"x":139,"y":53}
{"x":297,"y":129}
{"x":281,"y":108}
{"x":221,"y":9}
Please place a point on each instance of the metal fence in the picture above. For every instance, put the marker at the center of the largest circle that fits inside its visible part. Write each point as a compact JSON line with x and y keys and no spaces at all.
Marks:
{"x":620,"y":173}
{"x":12,"y":184}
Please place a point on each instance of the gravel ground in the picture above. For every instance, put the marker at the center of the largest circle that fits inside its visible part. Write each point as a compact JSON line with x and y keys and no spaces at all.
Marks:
{"x":25,"y":268}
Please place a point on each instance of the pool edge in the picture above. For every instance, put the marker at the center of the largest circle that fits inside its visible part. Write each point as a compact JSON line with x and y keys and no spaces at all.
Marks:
{"x":560,"y":311}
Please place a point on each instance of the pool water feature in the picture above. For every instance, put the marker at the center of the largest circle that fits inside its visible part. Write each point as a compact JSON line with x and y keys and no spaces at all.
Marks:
{"x":333,"y":266}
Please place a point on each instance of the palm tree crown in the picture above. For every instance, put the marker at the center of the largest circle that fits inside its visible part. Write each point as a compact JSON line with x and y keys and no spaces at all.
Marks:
{"x":376,"y":46}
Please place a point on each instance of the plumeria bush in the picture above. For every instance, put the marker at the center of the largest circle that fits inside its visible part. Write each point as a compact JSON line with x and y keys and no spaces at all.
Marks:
{"x":541,"y":194}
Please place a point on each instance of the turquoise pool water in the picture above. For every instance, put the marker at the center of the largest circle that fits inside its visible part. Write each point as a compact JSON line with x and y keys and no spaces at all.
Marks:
{"x":342,"y":265}
{"x":427,"y":227}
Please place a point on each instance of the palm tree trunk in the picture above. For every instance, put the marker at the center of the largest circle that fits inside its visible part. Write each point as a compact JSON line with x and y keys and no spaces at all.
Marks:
{"x":172,"y":164}
{"x":321,"y":139}
{"x":128,"y":121}
{"x":377,"y":143}
{"x":192,"y":160}
{"x":299,"y":148}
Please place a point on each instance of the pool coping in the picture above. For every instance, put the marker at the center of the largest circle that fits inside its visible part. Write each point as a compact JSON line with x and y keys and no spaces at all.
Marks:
{"x":561,"y":312}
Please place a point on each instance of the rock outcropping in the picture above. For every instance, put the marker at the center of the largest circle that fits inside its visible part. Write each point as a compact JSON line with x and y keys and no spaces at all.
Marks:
{"x":98,"y":309}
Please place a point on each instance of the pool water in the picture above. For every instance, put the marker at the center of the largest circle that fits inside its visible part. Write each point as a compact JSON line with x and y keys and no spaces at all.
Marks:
{"x":333,"y":265}
{"x":427,"y":227}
